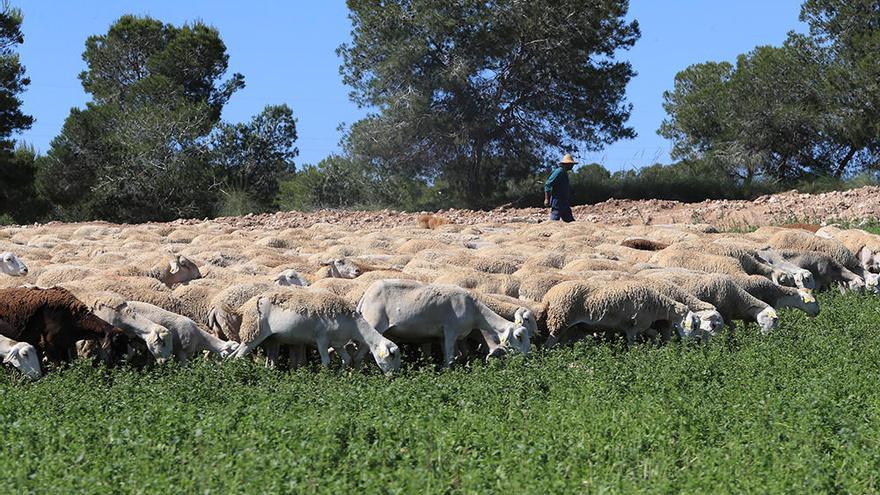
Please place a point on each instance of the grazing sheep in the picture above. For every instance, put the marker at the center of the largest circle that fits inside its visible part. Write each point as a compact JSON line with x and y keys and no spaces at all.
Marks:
{"x":619,"y":305}
{"x":778,"y":296}
{"x":412,"y":312}
{"x":53,"y":320}
{"x":187,"y":337}
{"x":803,"y":278}
{"x":115,"y":310}
{"x":344,"y":268}
{"x":798,"y":240}
{"x":21,"y":355}
{"x":310,"y":316}
{"x":864,"y":245}
{"x":12,"y":266}
{"x":224,"y":317}
{"x":721,"y":291}
{"x":534,"y":284}
{"x":711,"y":321}
{"x":826,"y":271}
{"x":512,"y":309}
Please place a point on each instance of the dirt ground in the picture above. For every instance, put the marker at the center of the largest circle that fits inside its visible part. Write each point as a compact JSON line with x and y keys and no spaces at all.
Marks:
{"x":791,"y":206}
{"x":850,"y":206}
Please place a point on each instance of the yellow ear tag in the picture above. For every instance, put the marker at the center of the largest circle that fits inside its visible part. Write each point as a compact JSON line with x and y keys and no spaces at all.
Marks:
{"x":772,"y":314}
{"x":383,"y":354}
{"x":518,"y":320}
{"x":688,"y":324}
{"x":504,"y":338}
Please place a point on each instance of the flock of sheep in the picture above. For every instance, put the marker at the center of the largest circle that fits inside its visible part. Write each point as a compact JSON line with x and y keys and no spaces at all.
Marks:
{"x":166,"y":291}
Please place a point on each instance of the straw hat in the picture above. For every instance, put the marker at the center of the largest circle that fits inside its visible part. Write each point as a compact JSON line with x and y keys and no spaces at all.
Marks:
{"x":567,"y":160}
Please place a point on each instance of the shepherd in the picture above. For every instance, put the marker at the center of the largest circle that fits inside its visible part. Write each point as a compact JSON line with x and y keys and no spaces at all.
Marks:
{"x":557,"y":191}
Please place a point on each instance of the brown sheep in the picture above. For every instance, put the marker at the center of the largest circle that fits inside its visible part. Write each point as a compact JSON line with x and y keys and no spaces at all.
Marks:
{"x":431,"y":221}
{"x":53,"y":320}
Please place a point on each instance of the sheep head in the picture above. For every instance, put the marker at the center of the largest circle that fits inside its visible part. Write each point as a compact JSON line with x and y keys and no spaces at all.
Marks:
{"x":290,"y":278}
{"x":810,"y":304}
{"x":11,"y":265}
{"x":768,"y":320}
{"x":709,"y":323}
{"x":228,"y":349}
{"x":387,"y":356}
{"x":515,"y":335}
{"x":342,"y":268}
{"x":160,"y":343}
{"x":179,"y":270}
{"x":23,"y":357}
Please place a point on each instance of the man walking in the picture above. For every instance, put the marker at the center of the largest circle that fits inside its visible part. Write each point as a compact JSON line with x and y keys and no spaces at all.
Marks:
{"x":557,"y":192}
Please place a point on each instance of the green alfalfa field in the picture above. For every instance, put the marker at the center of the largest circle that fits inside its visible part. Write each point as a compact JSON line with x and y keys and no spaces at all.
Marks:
{"x":796,"y":412}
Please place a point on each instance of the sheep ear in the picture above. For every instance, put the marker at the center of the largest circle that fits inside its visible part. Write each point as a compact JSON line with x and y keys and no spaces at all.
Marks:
{"x":175,"y":265}
{"x":383,"y":353}
{"x":505,"y":335}
{"x":8,"y":358}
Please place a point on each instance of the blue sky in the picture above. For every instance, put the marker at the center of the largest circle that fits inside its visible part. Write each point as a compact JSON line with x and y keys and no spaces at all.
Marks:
{"x":286,"y":50}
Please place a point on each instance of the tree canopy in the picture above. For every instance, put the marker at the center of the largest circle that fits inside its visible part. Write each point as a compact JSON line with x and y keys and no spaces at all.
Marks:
{"x":472,"y":93}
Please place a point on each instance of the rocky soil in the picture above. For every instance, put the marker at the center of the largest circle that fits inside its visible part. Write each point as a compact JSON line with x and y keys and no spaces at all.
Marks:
{"x":850,"y":206}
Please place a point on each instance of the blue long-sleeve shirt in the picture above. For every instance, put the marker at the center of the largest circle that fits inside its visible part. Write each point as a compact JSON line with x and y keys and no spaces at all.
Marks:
{"x":558,"y":187}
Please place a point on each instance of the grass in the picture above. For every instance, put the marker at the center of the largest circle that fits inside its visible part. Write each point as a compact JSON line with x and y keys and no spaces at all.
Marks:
{"x":798,"y":412}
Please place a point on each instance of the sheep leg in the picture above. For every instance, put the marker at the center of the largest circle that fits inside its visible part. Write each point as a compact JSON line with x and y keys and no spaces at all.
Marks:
{"x":426,"y":350}
{"x":448,"y":346}
{"x":297,"y":356}
{"x":344,"y":356}
{"x":273,"y":349}
{"x":324,"y":349}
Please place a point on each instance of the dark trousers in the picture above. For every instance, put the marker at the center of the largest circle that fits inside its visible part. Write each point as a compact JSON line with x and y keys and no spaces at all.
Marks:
{"x":563,"y":214}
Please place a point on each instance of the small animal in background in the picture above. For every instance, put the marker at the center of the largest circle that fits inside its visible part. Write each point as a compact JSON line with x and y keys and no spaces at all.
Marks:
{"x":432,"y":221}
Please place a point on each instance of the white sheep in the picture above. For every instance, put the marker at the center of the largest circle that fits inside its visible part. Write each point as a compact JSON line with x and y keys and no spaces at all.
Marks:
{"x":20,"y":355}
{"x":800,"y":240}
{"x":289,"y":278}
{"x":721,"y":290}
{"x":778,"y":296}
{"x":115,"y":310}
{"x":409,"y":311}
{"x":307,"y":316}
{"x":865,"y":246}
{"x":171,"y":270}
{"x":188,"y":338}
{"x":624,"y":306}
{"x":11,"y":265}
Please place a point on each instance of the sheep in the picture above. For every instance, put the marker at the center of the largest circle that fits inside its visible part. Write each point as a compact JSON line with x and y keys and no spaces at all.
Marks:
{"x":484,"y":282}
{"x":512,"y":309}
{"x":188,"y":338}
{"x":12,"y":266}
{"x":115,"y":310}
{"x":612,"y":306}
{"x":592,"y":264}
{"x":747,"y":258}
{"x":534,"y":284}
{"x":799,"y":240}
{"x":865,"y":246}
{"x":803,"y":278}
{"x":700,"y":261}
{"x":224,"y":318}
{"x":431,"y":221}
{"x":344,"y":268}
{"x":778,"y":296}
{"x":307,"y":316}
{"x":21,"y":355}
{"x":59,"y":274}
{"x":53,"y":320}
{"x":826,"y":271}
{"x":176,"y":269}
{"x":720,"y":290}
{"x":412,"y":312}
{"x":289,"y":278}
{"x":711,"y":321}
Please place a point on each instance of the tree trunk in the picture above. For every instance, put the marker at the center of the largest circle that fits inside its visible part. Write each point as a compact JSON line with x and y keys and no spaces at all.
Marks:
{"x":841,"y":167}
